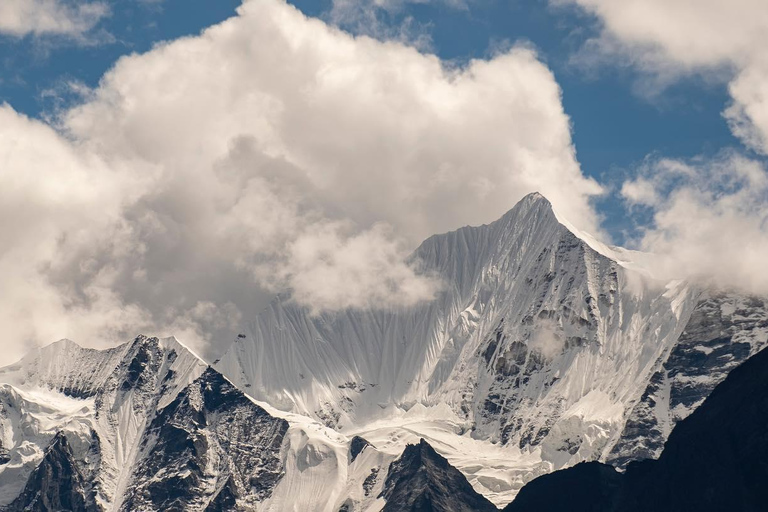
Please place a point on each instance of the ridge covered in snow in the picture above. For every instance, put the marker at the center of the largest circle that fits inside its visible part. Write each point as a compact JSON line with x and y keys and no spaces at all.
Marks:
{"x":112,"y":414}
{"x":544,"y":348}
{"x":538,"y":342}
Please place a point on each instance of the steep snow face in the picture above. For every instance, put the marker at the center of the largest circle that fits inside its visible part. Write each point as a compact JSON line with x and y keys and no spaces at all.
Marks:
{"x":148,"y":378}
{"x":540,"y":339}
{"x":65,"y":366}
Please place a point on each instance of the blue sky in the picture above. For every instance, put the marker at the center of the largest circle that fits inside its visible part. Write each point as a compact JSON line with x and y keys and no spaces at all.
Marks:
{"x":33,"y":65}
{"x":615,"y":125}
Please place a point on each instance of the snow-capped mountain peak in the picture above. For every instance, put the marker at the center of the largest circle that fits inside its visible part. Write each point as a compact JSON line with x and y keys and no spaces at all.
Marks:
{"x":543,"y":349}
{"x":537,"y":340}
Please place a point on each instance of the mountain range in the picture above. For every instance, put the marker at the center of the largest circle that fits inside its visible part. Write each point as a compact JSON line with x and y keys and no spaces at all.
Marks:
{"x":544,"y":350}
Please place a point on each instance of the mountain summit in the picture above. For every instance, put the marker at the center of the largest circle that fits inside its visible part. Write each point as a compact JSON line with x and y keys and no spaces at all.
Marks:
{"x":542,"y":341}
{"x":538,"y":342}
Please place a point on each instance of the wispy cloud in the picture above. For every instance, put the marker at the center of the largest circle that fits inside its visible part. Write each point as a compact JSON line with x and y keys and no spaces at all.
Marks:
{"x":63,"y":18}
{"x":669,"y":40}
{"x":709,"y":215}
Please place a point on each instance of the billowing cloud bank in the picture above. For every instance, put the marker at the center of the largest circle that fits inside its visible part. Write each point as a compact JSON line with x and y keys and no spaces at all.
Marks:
{"x":272,"y":152}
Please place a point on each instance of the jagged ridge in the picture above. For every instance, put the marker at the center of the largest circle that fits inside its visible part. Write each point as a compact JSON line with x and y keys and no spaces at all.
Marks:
{"x":163,"y":432}
{"x":543,"y":346}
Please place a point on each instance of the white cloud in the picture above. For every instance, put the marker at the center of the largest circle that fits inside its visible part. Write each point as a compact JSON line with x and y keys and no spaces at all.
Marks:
{"x":709,"y":215}
{"x":388,"y":19}
{"x":547,"y":338}
{"x":19,"y":18}
{"x":329,"y":269}
{"x":748,"y":115}
{"x":271,"y":152}
{"x":710,"y":219}
{"x":640,"y":191}
{"x":674,"y":38}
{"x":53,"y":197}
{"x":377,"y":129}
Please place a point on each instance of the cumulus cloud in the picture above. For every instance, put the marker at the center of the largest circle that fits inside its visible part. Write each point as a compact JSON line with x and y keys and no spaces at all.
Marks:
{"x":710,"y":219}
{"x":273,"y":152}
{"x":19,"y":18}
{"x":376,"y":129}
{"x":54,"y":197}
{"x":671,"y":39}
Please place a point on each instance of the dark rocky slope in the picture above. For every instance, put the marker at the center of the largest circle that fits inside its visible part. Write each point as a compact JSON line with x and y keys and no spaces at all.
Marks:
{"x":422,"y":481}
{"x":211,"y":440}
{"x":56,"y":484}
{"x":715,"y":460}
{"x":198,"y":443}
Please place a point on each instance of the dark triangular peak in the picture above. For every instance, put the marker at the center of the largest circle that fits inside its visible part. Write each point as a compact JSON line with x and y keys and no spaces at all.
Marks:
{"x":714,"y":461}
{"x":356,"y":447}
{"x":421,"y":480}
{"x":208,"y":420}
{"x":56,"y":484}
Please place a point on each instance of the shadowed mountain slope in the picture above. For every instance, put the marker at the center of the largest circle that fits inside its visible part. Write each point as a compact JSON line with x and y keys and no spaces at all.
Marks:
{"x":715,"y":460}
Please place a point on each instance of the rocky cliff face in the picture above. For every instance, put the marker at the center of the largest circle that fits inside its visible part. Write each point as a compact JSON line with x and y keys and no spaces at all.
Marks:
{"x":714,"y":460}
{"x":57,"y":483}
{"x":724,"y":330}
{"x":214,"y":447}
